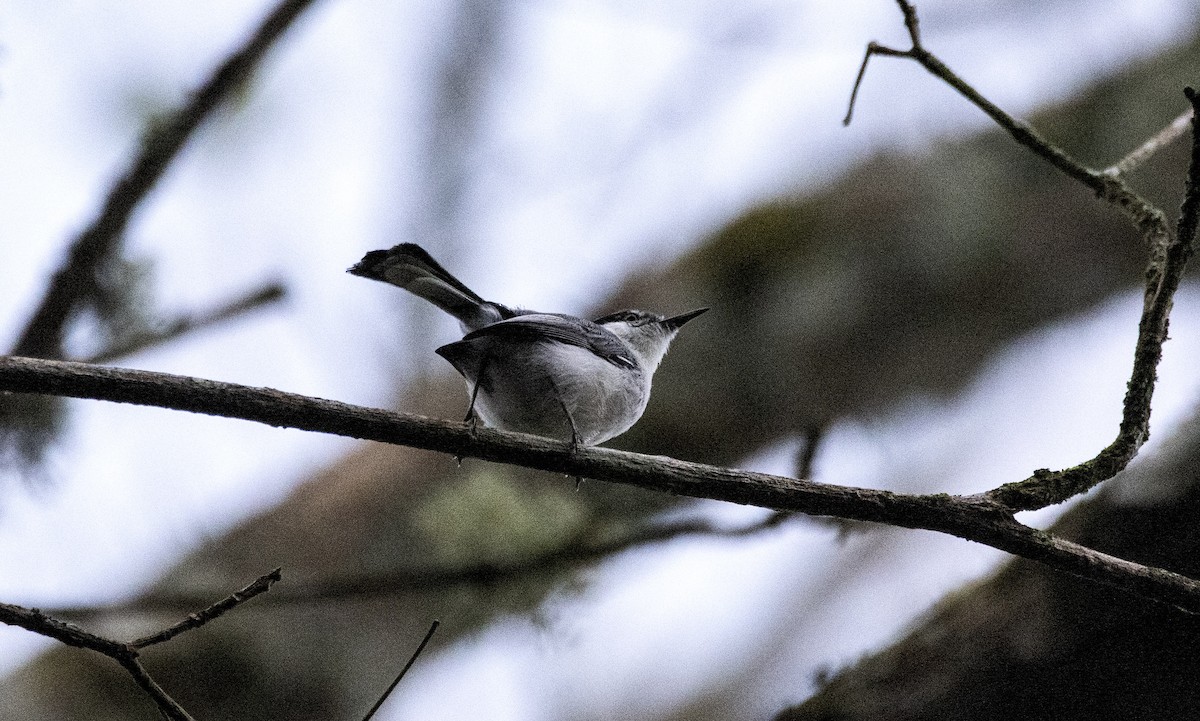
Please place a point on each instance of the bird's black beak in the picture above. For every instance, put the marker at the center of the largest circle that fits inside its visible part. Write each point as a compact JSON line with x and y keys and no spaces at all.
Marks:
{"x":675,"y":322}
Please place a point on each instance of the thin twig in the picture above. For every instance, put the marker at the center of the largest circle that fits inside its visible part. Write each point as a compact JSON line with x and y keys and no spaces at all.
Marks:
{"x":192,"y":322}
{"x":73,"y":281}
{"x":974,"y":518}
{"x":413,"y":659}
{"x":873,"y":48}
{"x":1176,"y":129}
{"x":168,"y":706}
{"x":216,"y":610}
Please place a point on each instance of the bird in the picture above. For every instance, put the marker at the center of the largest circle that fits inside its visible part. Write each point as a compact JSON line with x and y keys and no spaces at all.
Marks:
{"x":548,"y":374}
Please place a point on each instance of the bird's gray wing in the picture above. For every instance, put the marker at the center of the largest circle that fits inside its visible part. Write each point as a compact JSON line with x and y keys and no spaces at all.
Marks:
{"x":553,"y":327}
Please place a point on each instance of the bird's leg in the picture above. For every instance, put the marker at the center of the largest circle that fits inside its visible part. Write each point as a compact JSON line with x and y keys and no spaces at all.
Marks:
{"x":575,"y":440}
{"x":472,"y":417}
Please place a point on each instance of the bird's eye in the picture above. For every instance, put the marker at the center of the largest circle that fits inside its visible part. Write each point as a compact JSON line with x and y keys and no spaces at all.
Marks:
{"x":624,"y":316}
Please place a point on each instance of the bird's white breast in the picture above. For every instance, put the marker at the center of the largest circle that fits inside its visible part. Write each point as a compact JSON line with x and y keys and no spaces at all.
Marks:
{"x":536,"y":384}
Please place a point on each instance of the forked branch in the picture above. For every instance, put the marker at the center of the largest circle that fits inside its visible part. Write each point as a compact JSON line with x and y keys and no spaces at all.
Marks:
{"x":128,"y":654}
{"x":1168,"y":256}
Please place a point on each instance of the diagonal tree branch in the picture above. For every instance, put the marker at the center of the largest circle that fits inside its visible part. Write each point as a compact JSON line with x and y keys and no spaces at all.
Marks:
{"x":974,"y":518}
{"x":1151,"y":221}
{"x":167,"y":706}
{"x":411,"y":660}
{"x":191,"y":322}
{"x":72,"y":283}
{"x":1174,"y":130}
{"x":1168,"y":257}
{"x":32,"y":619}
{"x":195,"y":620}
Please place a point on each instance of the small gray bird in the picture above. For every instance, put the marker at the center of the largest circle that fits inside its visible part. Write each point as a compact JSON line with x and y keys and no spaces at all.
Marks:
{"x":549,"y":374}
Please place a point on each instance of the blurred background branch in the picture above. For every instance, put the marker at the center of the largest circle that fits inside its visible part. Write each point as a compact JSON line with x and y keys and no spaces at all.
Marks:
{"x":170,"y":329}
{"x":575,"y":553}
{"x":94,"y":276}
{"x":99,"y":243}
{"x":1176,"y":129}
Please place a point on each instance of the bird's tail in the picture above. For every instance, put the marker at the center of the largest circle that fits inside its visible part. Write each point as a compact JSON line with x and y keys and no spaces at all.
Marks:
{"x":409,"y":266}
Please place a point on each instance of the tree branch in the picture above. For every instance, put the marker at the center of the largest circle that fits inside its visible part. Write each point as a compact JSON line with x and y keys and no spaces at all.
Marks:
{"x":1151,"y":221}
{"x":191,"y":322}
{"x":43,"y":334}
{"x":127,"y":654}
{"x":195,"y":620}
{"x":1174,"y":130}
{"x":974,"y":518}
{"x":570,"y":554}
{"x":1162,"y":280}
{"x":1168,"y":257}
{"x":32,"y":619}
{"x":167,"y":706}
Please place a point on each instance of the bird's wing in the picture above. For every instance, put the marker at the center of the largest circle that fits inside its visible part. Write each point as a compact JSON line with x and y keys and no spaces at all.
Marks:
{"x":553,"y":327}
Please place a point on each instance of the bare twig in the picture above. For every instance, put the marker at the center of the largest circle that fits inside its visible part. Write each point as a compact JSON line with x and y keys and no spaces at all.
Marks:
{"x":873,"y":48}
{"x":1176,"y":129}
{"x":168,"y":706}
{"x":1151,"y":221}
{"x":184,"y":324}
{"x":73,"y":281}
{"x":127,"y":654}
{"x":1168,"y":256}
{"x":974,"y":518}
{"x":195,"y":620}
{"x":412,"y":659}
